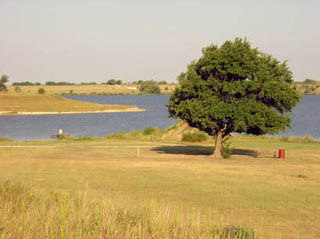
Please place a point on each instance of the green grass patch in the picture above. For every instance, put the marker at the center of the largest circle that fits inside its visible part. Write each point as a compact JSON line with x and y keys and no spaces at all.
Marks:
{"x":148,"y":134}
{"x":194,"y":137}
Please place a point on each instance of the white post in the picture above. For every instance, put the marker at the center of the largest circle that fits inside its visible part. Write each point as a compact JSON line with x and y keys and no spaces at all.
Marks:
{"x":60,"y":132}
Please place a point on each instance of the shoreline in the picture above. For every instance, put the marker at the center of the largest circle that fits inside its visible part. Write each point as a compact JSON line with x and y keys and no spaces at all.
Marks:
{"x":11,"y":113}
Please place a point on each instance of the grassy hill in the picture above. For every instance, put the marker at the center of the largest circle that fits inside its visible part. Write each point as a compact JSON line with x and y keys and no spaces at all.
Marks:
{"x":15,"y":103}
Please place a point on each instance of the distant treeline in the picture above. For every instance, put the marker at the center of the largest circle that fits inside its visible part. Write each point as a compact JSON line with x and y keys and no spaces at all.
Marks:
{"x":310,"y":81}
{"x":25,"y":83}
{"x":139,"y":82}
{"x":59,"y":83}
{"x":108,"y":82}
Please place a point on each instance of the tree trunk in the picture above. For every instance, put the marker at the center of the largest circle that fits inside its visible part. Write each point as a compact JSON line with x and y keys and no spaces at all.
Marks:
{"x":218,"y":146}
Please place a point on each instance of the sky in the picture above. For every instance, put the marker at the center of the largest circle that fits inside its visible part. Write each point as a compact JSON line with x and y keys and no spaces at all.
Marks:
{"x":97,"y":40}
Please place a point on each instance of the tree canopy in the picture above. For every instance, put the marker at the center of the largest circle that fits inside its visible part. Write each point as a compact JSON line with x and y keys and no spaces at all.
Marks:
{"x":3,"y":81}
{"x":114,"y":82}
{"x":234,"y":88}
{"x":149,"y":87}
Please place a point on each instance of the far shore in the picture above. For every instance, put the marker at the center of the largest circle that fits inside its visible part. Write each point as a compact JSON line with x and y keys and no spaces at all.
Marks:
{"x":10,"y":113}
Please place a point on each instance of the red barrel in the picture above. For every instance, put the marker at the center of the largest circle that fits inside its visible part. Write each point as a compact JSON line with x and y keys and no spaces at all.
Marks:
{"x":282,"y":153}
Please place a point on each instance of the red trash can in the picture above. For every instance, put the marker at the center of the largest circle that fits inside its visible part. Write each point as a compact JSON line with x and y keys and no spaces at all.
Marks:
{"x":282,"y":153}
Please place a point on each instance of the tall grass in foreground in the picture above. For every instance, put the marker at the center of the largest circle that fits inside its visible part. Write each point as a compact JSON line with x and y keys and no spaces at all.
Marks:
{"x":30,"y":214}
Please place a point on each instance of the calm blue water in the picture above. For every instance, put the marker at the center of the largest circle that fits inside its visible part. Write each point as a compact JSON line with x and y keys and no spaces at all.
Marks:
{"x":306,"y":119}
{"x":43,"y":126}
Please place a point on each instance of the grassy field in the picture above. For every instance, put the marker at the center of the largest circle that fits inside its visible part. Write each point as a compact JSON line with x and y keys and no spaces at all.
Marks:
{"x":125,"y":89}
{"x":87,"y":89}
{"x":91,"y":189}
{"x":14,"y":103}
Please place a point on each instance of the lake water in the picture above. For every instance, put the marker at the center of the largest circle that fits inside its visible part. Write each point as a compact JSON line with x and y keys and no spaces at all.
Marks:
{"x":305,"y":119}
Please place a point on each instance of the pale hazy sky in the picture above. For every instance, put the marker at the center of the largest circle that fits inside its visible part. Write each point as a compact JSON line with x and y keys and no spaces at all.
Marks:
{"x":96,"y":40}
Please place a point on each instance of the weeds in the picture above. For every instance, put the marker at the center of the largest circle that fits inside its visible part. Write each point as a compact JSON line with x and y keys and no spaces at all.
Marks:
{"x":149,"y":134}
{"x":81,"y":138}
{"x":30,"y":214}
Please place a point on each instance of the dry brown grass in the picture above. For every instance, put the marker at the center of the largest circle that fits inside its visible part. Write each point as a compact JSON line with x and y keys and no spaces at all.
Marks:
{"x":51,"y":103}
{"x":277,"y":198}
{"x":88,"y":89}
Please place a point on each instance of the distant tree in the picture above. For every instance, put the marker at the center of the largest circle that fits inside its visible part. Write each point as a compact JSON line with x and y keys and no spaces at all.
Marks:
{"x":112,"y":82}
{"x":3,"y":81}
{"x":149,"y":87}
{"x":162,"y":82}
{"x":119,"y":82}
{"x":234,"y":88}
{"x":41,"y":91}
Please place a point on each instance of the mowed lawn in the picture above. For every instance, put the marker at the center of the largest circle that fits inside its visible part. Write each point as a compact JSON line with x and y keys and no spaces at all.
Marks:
{"x":276,"y":198}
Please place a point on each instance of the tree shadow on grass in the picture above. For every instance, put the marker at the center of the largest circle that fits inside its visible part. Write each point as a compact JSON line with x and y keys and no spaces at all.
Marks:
{"x":199,"y":150}
{"x":186,"y":150}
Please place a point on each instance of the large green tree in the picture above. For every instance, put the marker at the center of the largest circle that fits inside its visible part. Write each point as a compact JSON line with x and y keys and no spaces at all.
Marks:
{"x":3,"y":81}
{"x":234,"y":88}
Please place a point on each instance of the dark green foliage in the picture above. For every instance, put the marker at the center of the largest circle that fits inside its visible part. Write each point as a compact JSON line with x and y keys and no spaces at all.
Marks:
{"x":88,"y":83}
{"x":139,"y":82}
{"x":25,"y":83}
{"x":194,"y":137}
{"x":3,"y":81}
{"x":58,"y":83}
{"x":149,"y":87}
{"x":41,"y":91}
{"x":226,"y":151}
{"x":235,"y":88}
{"x":114,"y":82}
